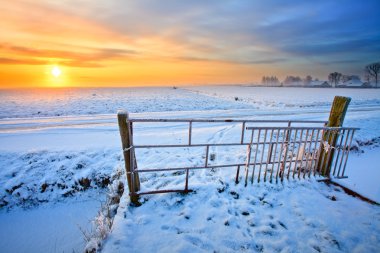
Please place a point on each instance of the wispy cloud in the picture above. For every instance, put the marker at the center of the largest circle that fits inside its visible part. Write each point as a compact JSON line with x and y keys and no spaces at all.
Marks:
{"x":92,"y":58}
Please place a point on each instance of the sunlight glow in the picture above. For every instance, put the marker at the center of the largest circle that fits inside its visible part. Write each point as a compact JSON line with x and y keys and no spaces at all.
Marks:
{"x":56,"y":71}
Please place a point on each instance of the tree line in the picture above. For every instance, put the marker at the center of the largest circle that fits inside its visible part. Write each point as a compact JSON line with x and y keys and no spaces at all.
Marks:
{"x":371,"y":73}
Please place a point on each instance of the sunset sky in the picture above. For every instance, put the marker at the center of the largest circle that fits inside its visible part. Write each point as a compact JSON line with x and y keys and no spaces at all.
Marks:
{"x":174,"y":42}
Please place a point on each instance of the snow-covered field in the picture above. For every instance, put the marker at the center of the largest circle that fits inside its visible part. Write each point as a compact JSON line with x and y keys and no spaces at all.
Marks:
{"x":62,"y":147}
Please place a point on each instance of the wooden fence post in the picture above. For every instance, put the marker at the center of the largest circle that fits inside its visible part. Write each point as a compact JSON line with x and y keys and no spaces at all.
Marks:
{"x":336,"y":118}
{"x":129,"y":155}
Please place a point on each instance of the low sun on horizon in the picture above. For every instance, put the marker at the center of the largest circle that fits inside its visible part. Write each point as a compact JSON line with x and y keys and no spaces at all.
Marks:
{"x":56,"y":77}
{"x":56,"y":71}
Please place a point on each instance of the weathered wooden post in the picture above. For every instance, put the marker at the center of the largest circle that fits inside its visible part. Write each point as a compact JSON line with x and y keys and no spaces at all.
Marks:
{"x":129,"y":155}
{"x":336,"y":118}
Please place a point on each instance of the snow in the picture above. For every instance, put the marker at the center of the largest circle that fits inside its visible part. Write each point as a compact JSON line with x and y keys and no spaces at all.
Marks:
{"x":294,"y":217}
{"x":364,"y":176}
{"x":47,"y":228}
{"x":69,"y":101}
{"x":46,"y":151}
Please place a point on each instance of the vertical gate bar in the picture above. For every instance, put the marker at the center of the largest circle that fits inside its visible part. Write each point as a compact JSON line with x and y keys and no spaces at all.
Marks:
{"x":304,"y":157}
{"x":237,"y":174}
{"x":262,"y":154}
{"x":320,"y":150}
{"x":187,"y":181}
{"x":313,"y":153}
{"x":292,"y":152}
{"x":274,"y":157}
{"x":206,"y":158}
{"x":132,"y":163}
{"x":323,"y":169}
{"x":341,"y":134}
{"x":303,"y":154}
{"x":248,"y":158}
{"x":190,"y":130}
{"x":343,"y":151}
{"x":269,"y":154}
{"x":254,"y":163}
{"x":283,"y":164}
{"x":331,"y":154}
{"x":241,"y":142}
{"x":298,"y":153}
{"x":348,"y":152}
{"x":280,"y":155}
{"x":323,"y":155}
{"x":309,"y":157}
{"x":242,"y":133}
{"x":307,"y":143}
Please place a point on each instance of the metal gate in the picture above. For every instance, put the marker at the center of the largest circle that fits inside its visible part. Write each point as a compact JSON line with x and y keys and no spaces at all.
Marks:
{"x":273,"y":153}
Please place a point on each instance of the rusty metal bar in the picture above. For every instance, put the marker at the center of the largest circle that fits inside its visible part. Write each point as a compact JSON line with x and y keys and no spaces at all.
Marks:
{"x":269,"y":155}
{"x":187,"y":180}
{"x":275,"y":153}
{"x":320,"y":151}
{"x":305,"y":154}
{"x":325,"y":157}
{"x":206,"y":158}
{"x":343,"y":153}
{"x":280,"y":155}
{"x":305,"y":128}
{"x":227,"y":121}
{"x":242,"y":133}
{"x":248,"y":160}
{"x":312,"y":152}
{"x":312,"y":163}
{"x":202,"y":167}
{"x":161,"y":191}
{"x":241,"y":142}
{"x":262,"y":154}
{"x":198,"y":144}
{"x":283,"y":164}
{"x":341,"y":134}
{"x":131,"y":157}
{"x":348,"y":152}
{"x":292,"y":152}
{"x":190,"y":130}
{"x":298,"y":153}
{"x":257,"y":148}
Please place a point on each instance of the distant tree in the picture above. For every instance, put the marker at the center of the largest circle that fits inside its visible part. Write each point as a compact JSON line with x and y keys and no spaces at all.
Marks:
{"x":334,"y":78}
{"x":269,"y":80}
{"x":367,"y":78}
{"x":292,"y":79}
{"x":373,"y":71}
{"x":308,"y":79}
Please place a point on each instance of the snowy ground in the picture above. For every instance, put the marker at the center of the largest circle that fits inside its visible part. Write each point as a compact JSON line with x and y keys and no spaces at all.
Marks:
{"x":48,"y":162}
{"x":222,"y":217}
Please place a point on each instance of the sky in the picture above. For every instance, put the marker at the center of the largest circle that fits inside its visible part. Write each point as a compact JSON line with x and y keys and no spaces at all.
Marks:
{"x":181,"y":42}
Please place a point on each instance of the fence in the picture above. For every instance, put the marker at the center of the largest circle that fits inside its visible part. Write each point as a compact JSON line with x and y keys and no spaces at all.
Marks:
{"x":272,"y":152}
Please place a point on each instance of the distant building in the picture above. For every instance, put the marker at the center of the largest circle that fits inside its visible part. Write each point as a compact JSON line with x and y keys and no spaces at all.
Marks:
{"x":353,"y":83}
{"x":318,"y":84}
{"x":367,"y":85}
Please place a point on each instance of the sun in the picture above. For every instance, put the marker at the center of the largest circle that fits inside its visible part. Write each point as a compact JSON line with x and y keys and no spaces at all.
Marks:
{"x":56,"y":72}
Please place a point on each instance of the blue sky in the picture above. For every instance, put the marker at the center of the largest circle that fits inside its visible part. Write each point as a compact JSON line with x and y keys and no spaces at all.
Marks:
{"x":323,"y":35}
